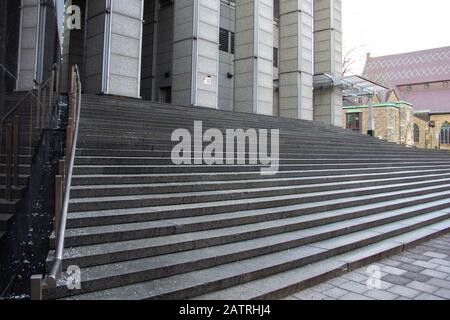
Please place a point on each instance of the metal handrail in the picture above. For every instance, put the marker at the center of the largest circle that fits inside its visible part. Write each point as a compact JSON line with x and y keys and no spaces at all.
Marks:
{"x":18,"y":104}
{"x":52,"y":277}
{"x":13,"y":116}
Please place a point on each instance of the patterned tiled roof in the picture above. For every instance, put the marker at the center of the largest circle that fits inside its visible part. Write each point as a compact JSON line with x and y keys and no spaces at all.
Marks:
{"x":414,"y":68}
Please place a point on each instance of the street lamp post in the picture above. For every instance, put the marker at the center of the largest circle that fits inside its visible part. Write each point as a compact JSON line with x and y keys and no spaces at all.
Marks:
{"x":371,"y":123}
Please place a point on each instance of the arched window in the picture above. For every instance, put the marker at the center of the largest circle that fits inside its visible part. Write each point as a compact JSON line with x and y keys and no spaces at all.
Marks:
{"x":416,"y":133}
{"x":445,"y":133}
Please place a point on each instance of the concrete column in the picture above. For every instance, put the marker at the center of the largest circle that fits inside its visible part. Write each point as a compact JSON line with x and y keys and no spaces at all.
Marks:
{"x":114,"y":47}
{"x":196,"y":53}
{"x":296,"y":59}
{"x":149,"y":49}
{"x":28,"y":44}
{"x":328,"y":59}
{"x":72,"y":46}
{"x":253,"y":80}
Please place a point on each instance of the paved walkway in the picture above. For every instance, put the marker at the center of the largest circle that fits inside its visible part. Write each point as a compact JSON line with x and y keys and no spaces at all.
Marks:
{"x":422,"y":273}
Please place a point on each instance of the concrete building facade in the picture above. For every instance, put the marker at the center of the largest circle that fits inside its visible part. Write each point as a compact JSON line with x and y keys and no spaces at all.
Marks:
{"x":29,"y":43}
{"x":254,"y":56}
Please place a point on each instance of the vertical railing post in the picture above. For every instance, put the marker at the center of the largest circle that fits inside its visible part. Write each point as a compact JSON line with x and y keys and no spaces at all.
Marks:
{"x":69,"y":138}
{"x":43,"y":108}
{"x":58,"y":203}
{"x":15,"y":151}
{"x":38,"y":109}
{"x":62,"y":168}
{"x":8,"y":162}
{"x":30,"y":130}
{"x":36,"y":287}
{"x":56,"y":79}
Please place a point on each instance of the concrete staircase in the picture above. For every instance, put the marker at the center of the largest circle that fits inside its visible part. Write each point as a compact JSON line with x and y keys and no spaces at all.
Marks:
{"x":142,"y":228}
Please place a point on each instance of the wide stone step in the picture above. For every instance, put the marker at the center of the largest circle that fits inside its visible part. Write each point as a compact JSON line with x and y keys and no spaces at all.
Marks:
{"x":195,"y":283}
{"x":286,"y":283}
{"x":24,"y":169}
{"x":188,"y":234}
{"x":23,"y":179}
{"x":16,"y":193}
{"x":256,"y":206}
{"x":241,"y":198}
{"x":85,"y":161}
{"x":85,"y":152}
{"x":217,"y":176}
{"x":166,"y":144}
{"x":8,"y":206}
{"x":261,"y":186}
{"x":201,"y":169}
{"x":161,"y":137}
{"x":103,"y":129}
{"x":165,"y":182}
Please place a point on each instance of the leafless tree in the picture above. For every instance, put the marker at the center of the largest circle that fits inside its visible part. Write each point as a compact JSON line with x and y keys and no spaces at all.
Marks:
{"x":351,"y":59}
{"x":348,"y":62}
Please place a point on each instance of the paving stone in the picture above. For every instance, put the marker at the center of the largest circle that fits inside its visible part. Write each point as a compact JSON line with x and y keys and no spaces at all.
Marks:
{"x":335,"y":293}
{"x":439,"y":250}
{"x":444,"y":293}
{"x":391,"y":262}
{"x":355,"y":287}
{"x":423,"y":287}
{"x":416,"y":276}
{"x":435,"y":255}
{"x":404,"y":291}
{"x":427,"y":296}
{"x":396,"y":280}
{"x":309,"y":294}
{"x":411,"y":267}
{"x":417,"y":256}
{"x":357,"y":277}
{"x":424,"y":264}
{"x":435,"y":274}
{"x":443,"y":269}
{"x":363,"y":271}
{"x":381,"y":295}
{"x":338,"y":281}
{"x":290,"y":298}
{"x":385,"y":285}
{"x":403,"y":259}
{"x":418,"y":250}
{"x":393,"y":270}
{"x":354,"y":296}
{"x":439,"y":283}
{"x":323,"y":287}
{"x":441,"y":262}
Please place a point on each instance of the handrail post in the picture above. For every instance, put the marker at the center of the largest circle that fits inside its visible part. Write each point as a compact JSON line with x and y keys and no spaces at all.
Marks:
{"x":15,"y":151}
{"x":69,"y":138}
{"x":43,"y":108}
{"x":56,"y":79}
{"x":58,"y":203}
{"x":62,"y":168}
{"x":30,"y":130}
{"x":8,"y":162}
{"x":38,"y":109}
{"x":36,"y":287}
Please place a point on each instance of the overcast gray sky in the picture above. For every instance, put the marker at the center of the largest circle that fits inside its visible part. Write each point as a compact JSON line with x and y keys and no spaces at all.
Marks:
{"x":384,"y":27}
